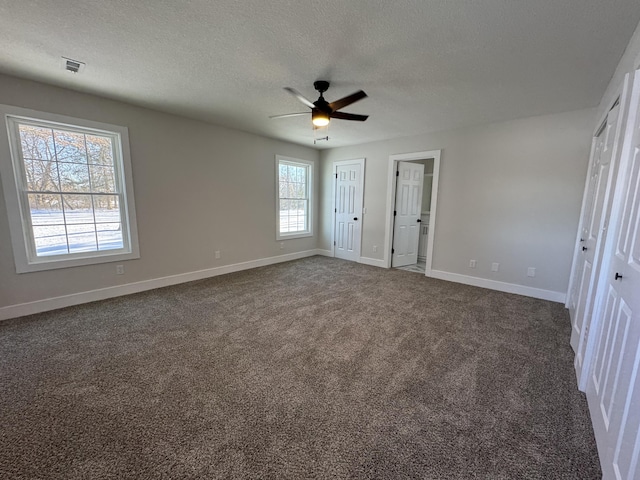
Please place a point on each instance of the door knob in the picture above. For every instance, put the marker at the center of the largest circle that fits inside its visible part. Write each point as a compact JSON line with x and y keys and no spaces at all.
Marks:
{"x":618,"y":276}
{"x":584,"y":248}
{"x":419,"y":220}
{"x":355,"y":218}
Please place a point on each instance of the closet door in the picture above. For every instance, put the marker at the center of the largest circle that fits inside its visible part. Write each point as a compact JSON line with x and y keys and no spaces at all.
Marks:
{"x":613,"y":389}
{"x":596,"y":210}
{"x":581,"y":265}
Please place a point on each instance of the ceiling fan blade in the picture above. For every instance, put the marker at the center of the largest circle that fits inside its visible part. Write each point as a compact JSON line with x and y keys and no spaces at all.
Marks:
{"x":289,"y":115}
{"x":348,"y":100}
{"x":349,"y":116}
{"x":300,"y":97}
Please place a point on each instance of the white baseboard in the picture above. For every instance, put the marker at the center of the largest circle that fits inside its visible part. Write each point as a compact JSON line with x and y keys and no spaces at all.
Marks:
{"x":550,"y":295}
{"x":372,"y":261}
{"x":22,"y":309}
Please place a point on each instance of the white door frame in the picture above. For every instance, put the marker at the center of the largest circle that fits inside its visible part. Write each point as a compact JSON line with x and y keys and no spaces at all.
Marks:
{"x":391,"y":197}
{"x":334,"y":172}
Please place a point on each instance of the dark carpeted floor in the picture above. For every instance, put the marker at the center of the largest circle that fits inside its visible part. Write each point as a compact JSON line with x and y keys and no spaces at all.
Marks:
{"x":316,"y":368}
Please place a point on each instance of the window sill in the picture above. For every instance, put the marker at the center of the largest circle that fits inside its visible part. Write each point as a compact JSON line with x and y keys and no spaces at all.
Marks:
{"x":50,"y":264}
{"x":291,"y":236}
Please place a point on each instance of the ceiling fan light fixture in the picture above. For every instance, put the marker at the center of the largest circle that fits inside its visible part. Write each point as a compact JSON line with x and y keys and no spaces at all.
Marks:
{"x":320,"y":119}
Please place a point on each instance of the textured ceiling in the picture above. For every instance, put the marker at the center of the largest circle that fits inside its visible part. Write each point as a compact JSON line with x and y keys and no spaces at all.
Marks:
{"x":426,"y":65}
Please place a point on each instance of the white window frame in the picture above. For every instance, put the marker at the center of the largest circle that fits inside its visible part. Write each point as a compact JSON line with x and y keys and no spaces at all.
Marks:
{"x":17,"y":205}
{"x":310,"y":176}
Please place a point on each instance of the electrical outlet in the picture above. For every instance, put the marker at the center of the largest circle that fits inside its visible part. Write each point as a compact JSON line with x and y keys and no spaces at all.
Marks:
{"x":472,"y":264}
{"x":495,"y":266}
{"x":281,"y":245}
{"x":375,"y":248}
{"x":217,"y":253}
{"x":119,"y":269}
{"x":531,"y":272}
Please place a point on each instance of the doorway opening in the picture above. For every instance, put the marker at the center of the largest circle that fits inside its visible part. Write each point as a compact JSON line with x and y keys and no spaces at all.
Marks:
{"x":411,"y":213}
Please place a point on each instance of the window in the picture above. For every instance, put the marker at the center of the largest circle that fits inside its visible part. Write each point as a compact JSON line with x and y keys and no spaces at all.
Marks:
{"x":68,"y":191}
{"x":294,"y":181}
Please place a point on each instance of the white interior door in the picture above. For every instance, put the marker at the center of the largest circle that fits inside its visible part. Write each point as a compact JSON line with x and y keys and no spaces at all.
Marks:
{"x":589,"y":259}
{"x":613,"y":389}
{"x":578,"y":273}
{"x":406,"y":226}
{"x":348,"y":210}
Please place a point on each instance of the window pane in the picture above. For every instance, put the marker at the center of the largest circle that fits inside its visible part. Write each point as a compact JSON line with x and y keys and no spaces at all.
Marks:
{"x":36,"y":142}
{"x":100,"y":150}
{"x":45,"y":209}
{"x":102,"y":179}
{"x":284,"y":222}
{"x":82,"y":238}
{"x":109,"y":236}
{"x":282,"y":172}
{"x":41,"y":175}
{"x":70,"y":146}
{"x":78,"y":208}
{"x":107,"y":208}
{"x":74,"y":177}
{"x":50,"y":240}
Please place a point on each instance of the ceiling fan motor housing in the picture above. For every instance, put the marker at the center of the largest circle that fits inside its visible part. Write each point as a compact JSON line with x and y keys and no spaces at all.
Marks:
{"x":321,"y":86}
{"x":321,"y":104}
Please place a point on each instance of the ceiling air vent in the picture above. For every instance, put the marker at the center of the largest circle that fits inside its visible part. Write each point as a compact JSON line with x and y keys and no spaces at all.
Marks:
{"x":73,"y":66}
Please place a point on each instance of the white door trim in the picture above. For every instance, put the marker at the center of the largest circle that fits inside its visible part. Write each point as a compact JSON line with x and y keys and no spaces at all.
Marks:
{"x":334,"y":172}
{"x":391,"y":195}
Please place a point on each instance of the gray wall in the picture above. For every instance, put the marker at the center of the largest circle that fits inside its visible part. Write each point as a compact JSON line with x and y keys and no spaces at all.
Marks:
{"x":508,"y":192}
{"x":198,"y":188}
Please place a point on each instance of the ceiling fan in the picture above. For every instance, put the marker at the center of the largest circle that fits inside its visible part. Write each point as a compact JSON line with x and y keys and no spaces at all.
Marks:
{"x":321,"y":110}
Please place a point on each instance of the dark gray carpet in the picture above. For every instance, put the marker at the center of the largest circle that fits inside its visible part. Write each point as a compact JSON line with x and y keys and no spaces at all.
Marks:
{"x":317,"y":368}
